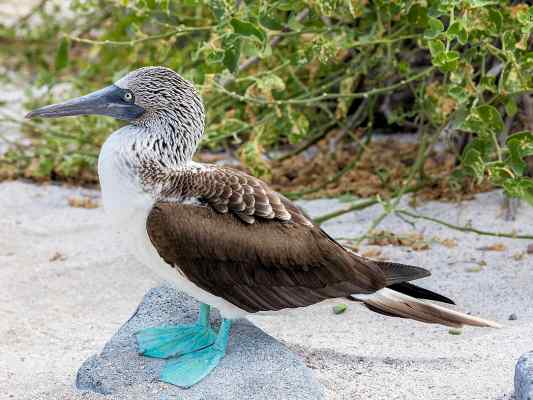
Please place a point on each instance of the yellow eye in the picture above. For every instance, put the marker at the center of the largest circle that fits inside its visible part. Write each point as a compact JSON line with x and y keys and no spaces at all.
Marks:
{"x":128,"y":96}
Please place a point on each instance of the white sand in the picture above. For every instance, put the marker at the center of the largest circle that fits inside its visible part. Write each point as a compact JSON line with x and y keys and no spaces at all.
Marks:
{"x":55,"y":314}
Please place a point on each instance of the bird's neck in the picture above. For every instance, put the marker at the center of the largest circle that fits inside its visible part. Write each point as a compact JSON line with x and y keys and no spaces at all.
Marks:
{"x":154,"y":155}
{"x":169,"y":142}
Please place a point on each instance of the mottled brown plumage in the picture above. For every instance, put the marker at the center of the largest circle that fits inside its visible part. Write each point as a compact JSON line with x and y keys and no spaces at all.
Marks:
{"x":268,"y":265}
{"x":257,"y":250}
{"x":229,"y":190}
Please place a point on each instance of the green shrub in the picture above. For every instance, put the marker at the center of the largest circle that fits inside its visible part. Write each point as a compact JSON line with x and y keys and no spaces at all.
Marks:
{"x":283,"y":72}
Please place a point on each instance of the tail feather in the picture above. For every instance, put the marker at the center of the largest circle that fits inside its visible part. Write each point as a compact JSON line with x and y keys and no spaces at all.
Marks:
{"x":392,"y":303}
{"x":398,"y":273}
{"x":419,"y":292}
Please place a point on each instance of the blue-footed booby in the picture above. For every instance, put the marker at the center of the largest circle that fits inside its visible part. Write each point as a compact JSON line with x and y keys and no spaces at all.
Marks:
{"x":219,"y":234}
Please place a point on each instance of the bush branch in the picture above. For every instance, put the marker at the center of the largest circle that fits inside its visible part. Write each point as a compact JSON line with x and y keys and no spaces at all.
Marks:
{"x":510,"y":235}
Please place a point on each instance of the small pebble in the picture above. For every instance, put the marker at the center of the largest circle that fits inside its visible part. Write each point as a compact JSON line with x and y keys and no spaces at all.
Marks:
{"x":530,"y":248}
{"x":513,"y":317}
{"x":57,"y":256}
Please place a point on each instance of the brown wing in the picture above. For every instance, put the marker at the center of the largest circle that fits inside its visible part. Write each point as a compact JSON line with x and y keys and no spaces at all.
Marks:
{"x":267,"y":265}
{"x":229,"y":190}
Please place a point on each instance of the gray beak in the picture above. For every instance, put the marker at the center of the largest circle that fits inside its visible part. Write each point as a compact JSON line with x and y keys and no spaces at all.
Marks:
{"x":107,"y":101}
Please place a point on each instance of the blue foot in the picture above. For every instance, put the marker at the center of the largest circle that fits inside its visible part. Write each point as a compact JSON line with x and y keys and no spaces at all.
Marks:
{"x":169,"y":341}
{"x":191,"y":368}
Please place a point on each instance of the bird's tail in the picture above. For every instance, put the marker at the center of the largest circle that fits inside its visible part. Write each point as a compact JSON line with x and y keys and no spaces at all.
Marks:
{"x":395,"y":304}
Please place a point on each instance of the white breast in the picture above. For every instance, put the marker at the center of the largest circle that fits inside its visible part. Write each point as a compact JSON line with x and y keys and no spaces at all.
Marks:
{"x":128,"y":205}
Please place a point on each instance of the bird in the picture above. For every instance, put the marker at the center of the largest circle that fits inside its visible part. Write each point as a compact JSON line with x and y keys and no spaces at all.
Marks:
{"x":221,"y":235}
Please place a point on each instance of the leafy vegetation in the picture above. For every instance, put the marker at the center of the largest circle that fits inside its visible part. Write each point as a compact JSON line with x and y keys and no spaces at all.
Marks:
{"x":279,"y":76}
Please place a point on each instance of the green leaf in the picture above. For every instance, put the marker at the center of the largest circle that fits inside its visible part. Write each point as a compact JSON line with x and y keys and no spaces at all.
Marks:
{"x":451,"y":60}
{"x":509,"y":41}
{"x":300,"y":127}
{"x":214,"y":56}
{"x":510,"y":105}
{"x":165,"y":5}
{"x":45,"y":167}
{"x":523,"y":17}
{"x":435,"y":28}
{"x":513,"y":80}
{"x":447,"y":61}
{"x":251,"y":155}
{"x":482,"y":146}
{"x":520,"y":187}
{"x":218,"y":7}
{"x":496,"y":20}
{"x":339,"y":308}
{"x":270,"y":23}
{"x":481,"y":3}
{"x":62,"y":54}
{"x":418,"y":15}
{"x":288,"y":5}
{"x":248,"y":29}
{"x":490,"y":117}
{"x":459,"y":93}
{"x":436,"y":47}
{"x":294,"y":23}
{"x":459,"y":118}
{"x":474,"y":163}
{"x":271,"y":82}
{"x":232,"y":52}
{"x":499,"y":172}
{"x":404,"y":67}
{"x":484,"y":120}
{"x":457,"y":30}
{"x":488,"y":83}
{"x":519,"y":145}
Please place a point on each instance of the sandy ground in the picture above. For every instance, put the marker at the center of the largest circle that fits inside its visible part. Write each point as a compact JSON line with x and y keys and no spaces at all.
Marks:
{"x":67,"y":284}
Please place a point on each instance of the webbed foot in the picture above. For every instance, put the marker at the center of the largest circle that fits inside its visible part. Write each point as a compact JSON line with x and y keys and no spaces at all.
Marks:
{"x":191,"y":368}
{"x":169,"y":341}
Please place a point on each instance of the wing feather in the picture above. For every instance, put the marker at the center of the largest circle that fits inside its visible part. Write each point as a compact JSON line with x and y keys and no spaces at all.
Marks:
{"x":253,"y":247}
{"x":232,"y":191}
{"x":267,"y":265}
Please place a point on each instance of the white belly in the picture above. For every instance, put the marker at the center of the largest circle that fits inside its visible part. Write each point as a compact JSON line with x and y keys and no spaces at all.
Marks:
{"x":128,"y":207}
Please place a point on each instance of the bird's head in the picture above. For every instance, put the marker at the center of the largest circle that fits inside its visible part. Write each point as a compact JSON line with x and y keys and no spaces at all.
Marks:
{"x":146,"y":96}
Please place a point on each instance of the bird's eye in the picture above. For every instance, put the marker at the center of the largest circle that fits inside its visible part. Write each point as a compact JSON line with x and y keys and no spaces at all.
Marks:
{"x":128,"y":96}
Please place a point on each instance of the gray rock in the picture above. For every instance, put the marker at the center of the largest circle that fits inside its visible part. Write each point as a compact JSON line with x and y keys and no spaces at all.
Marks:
{"x":523,"y":378}
{"x":256,"y":365}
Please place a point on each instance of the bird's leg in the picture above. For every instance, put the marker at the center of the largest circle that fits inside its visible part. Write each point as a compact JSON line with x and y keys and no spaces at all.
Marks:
{"x":191,"y":368}
{"x":174,"y":340}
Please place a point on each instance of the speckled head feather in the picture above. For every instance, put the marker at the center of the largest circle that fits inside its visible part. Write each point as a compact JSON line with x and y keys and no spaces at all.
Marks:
{"x":163,"y":93}
{"x":172,"y":107}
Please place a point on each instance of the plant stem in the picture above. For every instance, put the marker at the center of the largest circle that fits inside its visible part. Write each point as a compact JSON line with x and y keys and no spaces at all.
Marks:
{"x":312,"y":100}
{"x":352,"y":207}
{"x":133,"y":42}
{"x":464,"y":228}
{"x":358,"y":206}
